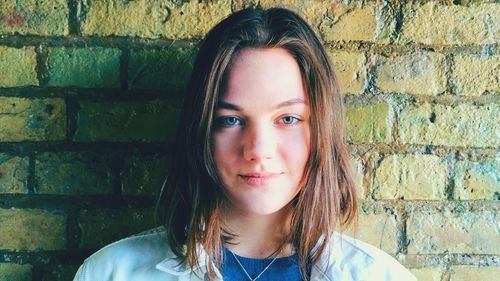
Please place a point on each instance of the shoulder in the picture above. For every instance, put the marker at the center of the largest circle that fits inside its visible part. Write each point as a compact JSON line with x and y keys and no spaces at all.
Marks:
{"x":142,"y":251}
{"x":351,"y":259}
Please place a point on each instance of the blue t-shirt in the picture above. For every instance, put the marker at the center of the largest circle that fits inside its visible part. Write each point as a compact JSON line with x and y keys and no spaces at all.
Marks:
{"x":285,"y":268}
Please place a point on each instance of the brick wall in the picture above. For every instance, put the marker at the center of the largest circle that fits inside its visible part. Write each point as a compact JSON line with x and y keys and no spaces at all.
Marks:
{"x":90,"y":92}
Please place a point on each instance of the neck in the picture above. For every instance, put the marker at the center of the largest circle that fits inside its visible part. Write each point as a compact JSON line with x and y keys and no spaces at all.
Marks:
{"x":258,"y":236}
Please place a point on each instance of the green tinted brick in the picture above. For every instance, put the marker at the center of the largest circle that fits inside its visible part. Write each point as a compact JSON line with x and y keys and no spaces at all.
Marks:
{"x":464,"y":125}
{"x":46,"y":18}
{"x":13,"y":174}
{"x":368,"y":123}
{"x":24,"y":119}
{"x":411,"y":177}
{"x":73,"y":173}
{"x":160,"y":69}
{"x":144,"y":175}
{"x":15,"y":272}
{"x":127,"y":121}
{"x":84,"y":67}
{"x":101,"y":227}
{"x":59,"y":272}
{"x":477,"y":180}
{"x":473,"y":74}
{"x":437,"y":24}
{"x":17,"y":66}
{"x":31,"y":230}
{"x":453,"y":231}
{"x":414,"y":74}
{"x":152,"y":19}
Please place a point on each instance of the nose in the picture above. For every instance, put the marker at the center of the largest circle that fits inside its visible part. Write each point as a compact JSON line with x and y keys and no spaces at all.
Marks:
{"x":259,"y":144}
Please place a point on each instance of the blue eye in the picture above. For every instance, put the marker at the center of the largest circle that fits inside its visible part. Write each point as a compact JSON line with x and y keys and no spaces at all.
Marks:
{"x":289,"y":120}
{"x":228,"y":121}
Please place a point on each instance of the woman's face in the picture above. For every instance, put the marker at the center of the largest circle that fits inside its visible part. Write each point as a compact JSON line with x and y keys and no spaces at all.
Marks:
{"x":262,"y":132}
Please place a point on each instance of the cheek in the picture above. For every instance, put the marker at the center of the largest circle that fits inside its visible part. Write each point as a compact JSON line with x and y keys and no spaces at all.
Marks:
{"x":225,"y":149}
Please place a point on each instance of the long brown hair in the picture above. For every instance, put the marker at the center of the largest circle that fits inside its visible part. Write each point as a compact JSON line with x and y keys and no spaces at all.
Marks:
{"x":191,"y":199}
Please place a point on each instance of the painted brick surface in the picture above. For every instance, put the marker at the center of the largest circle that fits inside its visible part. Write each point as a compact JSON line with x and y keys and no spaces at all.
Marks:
{"x":45,"y":18}
{"x":127,"y":121}
{"x":455,"y":231}
{"x":17,"y":66}
{"x":144,"y":175}
{"x":437,"y":24}
{"x":15,"y":272}
{"x":20,"y":225}
{"x":414,"y":74}
{"x":13,"y":174}
{"x":427,"y":274}
{"x":378,"y":230}
{"x":368,"y":123}
{"x":160,"y":69}
{"x":477,"y":180}
{"x":475,"y":74}
{"x":102,"y":226}
{"x":463,"y":125}
{"x":59,"y":272}
{"x":411,"y":177}
{"x":23,"y":119}
{"x":152,"y":19}
{"x":73,"y":173}
{"x":350,"y":70}
{"x":466,"y":273}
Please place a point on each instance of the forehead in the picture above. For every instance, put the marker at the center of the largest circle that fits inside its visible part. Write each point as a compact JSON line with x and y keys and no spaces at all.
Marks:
{"x":271,"y":74}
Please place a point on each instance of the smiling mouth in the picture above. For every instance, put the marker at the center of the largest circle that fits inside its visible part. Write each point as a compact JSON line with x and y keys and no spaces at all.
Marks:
{"x":258,"y":179}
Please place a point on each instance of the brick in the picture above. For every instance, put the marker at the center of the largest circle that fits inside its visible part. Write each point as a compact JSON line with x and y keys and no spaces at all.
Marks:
{"x":411,"y":177}
{"x":311,"y":11}
{"x":103,"y":226}
{"x":73,"y":173}
{"x":358,"y":23}
{"x":127,"y":121}
{"x":160,"y":69}
{"x":13,"y":174}
{"x":32,"y":230}
{"x":350,"y":70}
{"x":368,"y":123}
{"x":15,"y":272}
{"x":467,"y":273}
{"x":477,"y":180}
{"x":453,"y":231}
{"x":377,"y":229}
{"x":17,"y":66}
{"x":475,"y":74}
{"x":414,"y":74}
{"x":463,"y":125}
{"x":45,"y":18}
{"x":93,"y":67}
{"x":358,"y":171}
{"x":144,"y":175}
{"x":427,"y":274}
{"x":437,"y":24}
{"x":59,"y":272}
{"x":152,"y":19}
{"x":23,"y":119}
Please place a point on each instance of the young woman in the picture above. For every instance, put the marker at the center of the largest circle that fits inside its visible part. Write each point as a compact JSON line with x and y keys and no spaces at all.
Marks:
{"x":261,"y":177}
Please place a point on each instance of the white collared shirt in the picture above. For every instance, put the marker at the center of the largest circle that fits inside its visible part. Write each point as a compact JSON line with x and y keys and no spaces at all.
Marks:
{"x":147,"y":257}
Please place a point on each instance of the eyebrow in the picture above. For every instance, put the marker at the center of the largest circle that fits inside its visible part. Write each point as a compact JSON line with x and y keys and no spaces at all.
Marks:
{"x":230,"y":106}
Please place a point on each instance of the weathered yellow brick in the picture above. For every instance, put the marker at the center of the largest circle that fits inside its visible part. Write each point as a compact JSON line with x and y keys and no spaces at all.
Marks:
{"x":477,"y":180}
{"x":19,"y":227}
{"x":427,"y":274}
{"x":13,"y":174}
{"x":379,"y":230}
{"x":453,"y":231}
{"x":468,"y":273}
{"x":473,"y":74}
{"x":436,"y":24}
{"x":17,"y":66}
{"x":15,"y":272}
{"x":358,"y":171}
{"x":350,"y":70}
{"x":414,"y":74}
{"x":411,"y":177}
{"x":368,"y":123}
{"x":23,"y":119}
{"x":152,"y":19}
{"x":350,"y":23}
{"x":464,"y":125}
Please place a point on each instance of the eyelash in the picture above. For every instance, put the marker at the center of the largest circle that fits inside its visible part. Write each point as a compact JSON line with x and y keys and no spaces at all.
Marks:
{"x":220,"y":121}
